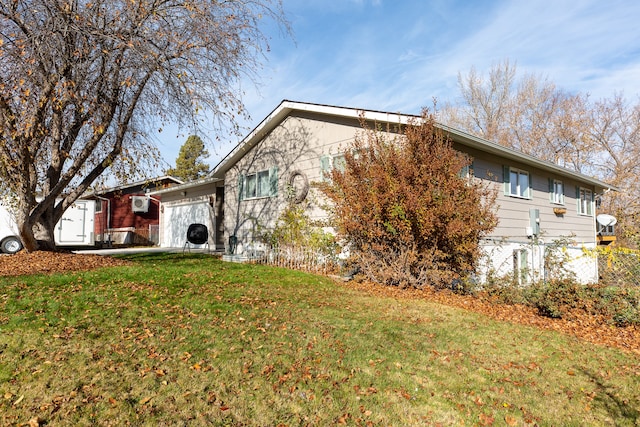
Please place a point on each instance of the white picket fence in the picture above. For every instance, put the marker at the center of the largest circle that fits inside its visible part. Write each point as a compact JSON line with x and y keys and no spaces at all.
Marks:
{"x":298,"y":258}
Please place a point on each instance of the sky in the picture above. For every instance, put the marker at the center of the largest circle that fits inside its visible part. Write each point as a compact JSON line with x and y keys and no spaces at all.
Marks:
{"x":400,"y":55}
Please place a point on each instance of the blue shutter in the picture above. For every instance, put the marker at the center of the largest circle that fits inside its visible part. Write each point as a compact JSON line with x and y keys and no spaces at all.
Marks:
{"x":506,"y":178}
{"x":273,"y":181}
{"x":529,"y":191}
{"x":325,"y":167}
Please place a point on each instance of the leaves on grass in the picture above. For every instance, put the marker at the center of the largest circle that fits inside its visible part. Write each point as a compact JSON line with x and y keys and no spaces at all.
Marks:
{"x":42,"y":262}
{"x":580,"y":324}
{"x":278,"y":350}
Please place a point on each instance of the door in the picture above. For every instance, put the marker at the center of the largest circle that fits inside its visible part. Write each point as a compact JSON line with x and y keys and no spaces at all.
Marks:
{"x":178,"y":217}
{"x":76,"y":225}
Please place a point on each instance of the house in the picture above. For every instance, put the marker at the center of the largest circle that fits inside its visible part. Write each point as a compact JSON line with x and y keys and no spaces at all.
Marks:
{"x":127,"y":214}
{"x":539,"y":203}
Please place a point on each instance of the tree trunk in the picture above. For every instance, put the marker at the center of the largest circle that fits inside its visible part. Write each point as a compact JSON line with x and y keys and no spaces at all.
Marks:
{"x":29,"y":241}
{"x":36,"y":233}
{"x":43,"y":231}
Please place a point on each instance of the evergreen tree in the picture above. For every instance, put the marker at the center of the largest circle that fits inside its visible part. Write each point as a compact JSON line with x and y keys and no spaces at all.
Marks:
{"x":189,"y":164}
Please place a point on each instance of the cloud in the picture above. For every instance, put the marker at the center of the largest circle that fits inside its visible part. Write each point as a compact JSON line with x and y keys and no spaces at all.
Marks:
{"x":398,"y":56}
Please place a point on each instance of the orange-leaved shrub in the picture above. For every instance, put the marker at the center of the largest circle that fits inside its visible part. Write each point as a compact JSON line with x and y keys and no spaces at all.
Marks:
{"x":410,"y":214}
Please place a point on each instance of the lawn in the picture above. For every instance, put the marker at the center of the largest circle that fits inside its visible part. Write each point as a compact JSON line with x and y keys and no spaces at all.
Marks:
{"x":189,"y":340}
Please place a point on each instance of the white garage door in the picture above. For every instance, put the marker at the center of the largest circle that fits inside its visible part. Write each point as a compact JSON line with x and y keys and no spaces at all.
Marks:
{"x":178,"y":217}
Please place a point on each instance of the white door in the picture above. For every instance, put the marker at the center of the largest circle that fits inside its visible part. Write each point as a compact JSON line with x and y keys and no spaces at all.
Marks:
{"x":76,"y":225}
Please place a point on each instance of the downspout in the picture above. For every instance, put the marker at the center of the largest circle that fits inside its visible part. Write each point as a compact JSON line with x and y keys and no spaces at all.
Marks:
{"x":108,"y":214}
{"x":160,"y":219}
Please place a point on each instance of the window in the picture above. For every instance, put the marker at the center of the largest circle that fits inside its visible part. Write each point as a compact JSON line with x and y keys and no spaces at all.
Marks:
{"x":521,"y":266}
{"x":328,"y":163}
{"x":466,"y":172}
{"x":516,"y":183}
{"x":585,"y":201}
{"x":556,"y":191}
{"x":260,"y":184}
{"x":98,"y":206}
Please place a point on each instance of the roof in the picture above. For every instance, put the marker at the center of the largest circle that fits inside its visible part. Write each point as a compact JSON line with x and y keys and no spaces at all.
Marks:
{"x":134,"y":184}
{"x":187,"y":185}
{"x":287,"y":107}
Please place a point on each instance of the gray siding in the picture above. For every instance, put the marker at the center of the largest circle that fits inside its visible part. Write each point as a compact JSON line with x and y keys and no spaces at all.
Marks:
{"x":303,"y":138}
{"x":513,"y":212}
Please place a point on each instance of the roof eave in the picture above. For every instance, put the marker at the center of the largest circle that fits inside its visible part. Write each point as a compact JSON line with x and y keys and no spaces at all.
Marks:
{"x":286,"y":107}
{"x":186,"y":186}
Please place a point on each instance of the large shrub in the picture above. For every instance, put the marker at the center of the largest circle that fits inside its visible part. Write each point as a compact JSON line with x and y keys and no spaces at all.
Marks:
{"x":407,"y":207}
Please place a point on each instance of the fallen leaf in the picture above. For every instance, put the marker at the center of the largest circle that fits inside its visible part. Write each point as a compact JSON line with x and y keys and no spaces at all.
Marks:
{"x":486,"y":419}
{"x":511,"y":421}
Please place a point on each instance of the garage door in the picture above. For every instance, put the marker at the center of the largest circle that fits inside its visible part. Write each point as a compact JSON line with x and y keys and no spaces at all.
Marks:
{"x":178,"y":217}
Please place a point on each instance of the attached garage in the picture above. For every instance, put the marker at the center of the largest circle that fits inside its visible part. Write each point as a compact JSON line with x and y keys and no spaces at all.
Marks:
{"x":178,"y":216}
{"x":192,"y":203}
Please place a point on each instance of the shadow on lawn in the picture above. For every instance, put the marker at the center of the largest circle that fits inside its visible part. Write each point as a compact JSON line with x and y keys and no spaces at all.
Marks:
{"x":617,"y":408}
{"x":154,"y":257}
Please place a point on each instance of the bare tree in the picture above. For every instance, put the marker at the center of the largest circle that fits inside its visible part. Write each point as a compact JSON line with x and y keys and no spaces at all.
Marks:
{"x":82,"y":81}
{"x":616,"y":134}
{"x":549,"y":123}
{"x":528,"y":114}
{"x":532,"y":115}
{"x":486,"y":100}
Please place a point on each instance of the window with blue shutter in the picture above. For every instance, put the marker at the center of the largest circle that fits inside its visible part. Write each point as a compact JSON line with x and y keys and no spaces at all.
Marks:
{"x":259,"y":184}
{"x":328,"y":163}
{"x":517,"y":182}
{"x":584,"y":198}
{"x":556,"y":191}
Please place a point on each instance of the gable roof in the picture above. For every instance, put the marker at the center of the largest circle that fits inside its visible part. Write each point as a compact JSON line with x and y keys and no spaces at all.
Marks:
{"x":172,"y":180}
{"x":287,"y":107}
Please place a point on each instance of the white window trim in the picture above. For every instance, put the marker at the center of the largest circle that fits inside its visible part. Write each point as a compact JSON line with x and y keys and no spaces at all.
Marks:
{"x":584,"y":202}
{"x":263,"y":188}
{"x":527,"y":194}
{"x":328,"y":163}
{"x":555,"y":197}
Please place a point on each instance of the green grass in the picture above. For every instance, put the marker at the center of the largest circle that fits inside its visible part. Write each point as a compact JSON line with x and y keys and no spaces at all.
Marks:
{"x":189,"y":340}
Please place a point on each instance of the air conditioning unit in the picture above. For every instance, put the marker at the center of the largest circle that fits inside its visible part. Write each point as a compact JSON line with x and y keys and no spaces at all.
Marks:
{"x":140,"y":204}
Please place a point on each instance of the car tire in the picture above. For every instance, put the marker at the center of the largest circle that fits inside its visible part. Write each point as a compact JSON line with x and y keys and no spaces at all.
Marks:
{"x":11,"y":245}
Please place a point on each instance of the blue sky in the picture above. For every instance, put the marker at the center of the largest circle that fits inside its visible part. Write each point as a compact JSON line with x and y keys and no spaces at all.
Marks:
{"x":398,"y":55}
